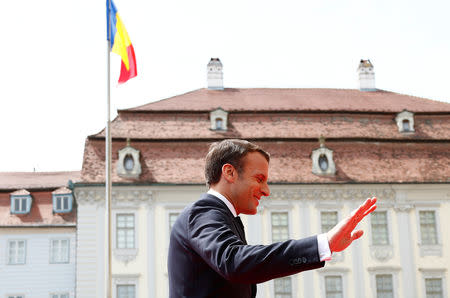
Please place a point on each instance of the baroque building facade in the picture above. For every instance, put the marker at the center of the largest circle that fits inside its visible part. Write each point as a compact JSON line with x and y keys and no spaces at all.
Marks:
{"x":330,"y":149}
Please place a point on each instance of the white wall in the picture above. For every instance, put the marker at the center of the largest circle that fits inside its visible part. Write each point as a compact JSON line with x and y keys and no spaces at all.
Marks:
{"x":37,"y":277}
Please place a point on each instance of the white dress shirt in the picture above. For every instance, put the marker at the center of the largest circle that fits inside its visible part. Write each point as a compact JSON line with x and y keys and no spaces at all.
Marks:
{"x":322,"y":240}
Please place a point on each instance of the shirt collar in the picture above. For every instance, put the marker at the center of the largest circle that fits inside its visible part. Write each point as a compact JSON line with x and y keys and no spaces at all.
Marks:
{"x":223,"y":199}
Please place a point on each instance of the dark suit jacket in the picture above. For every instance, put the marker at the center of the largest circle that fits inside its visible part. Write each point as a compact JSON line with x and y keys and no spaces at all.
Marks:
{"x":208,"y":255}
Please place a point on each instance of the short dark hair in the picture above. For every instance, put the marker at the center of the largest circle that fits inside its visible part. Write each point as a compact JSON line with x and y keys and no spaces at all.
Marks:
{"x":230,"y":151}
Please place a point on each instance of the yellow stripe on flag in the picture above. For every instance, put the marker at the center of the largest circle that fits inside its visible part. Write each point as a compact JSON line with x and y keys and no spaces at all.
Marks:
{"x":121,"y":42}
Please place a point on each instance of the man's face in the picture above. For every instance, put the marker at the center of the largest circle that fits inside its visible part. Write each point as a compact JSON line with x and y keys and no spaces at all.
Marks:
{"x":251,"y":184}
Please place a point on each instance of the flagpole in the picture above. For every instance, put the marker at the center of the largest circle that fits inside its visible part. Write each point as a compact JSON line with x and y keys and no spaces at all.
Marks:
{"x":108,"y":182}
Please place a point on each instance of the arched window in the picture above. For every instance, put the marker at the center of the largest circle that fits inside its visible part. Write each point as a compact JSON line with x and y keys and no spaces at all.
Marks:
{"x":323,"y":162}
{"x":219,"y":123}
{"x":406,"y":126}
{"x":128,"y":162}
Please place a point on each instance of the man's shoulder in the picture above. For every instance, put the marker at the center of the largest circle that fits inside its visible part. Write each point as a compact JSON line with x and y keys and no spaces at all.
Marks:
{"x":206,"y":208}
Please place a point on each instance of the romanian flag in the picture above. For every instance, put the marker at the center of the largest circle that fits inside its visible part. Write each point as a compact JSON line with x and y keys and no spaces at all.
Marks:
{"x":120,"y":43}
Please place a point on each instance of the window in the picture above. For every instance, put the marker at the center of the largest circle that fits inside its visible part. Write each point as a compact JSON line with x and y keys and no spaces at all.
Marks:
{"x":20,"y":204}
{"x":379,"y":224}
{"x":333,"y":287}
{"x":406,"y":126}
{"x":172,"y":218}
{"x":218,"y":119}
{"x":323,"y":162}
{"x":280,"y":227}
{"x":64,"y":295}
{"x":433,"y":287}
{"x":405,"y":122}
{"x":16,"y":252}
{"x":128,"y":163}
{"x":62,"y":203}
{"x":328,"y":220}
{"x":59,"y":251}
{"x":283,"y":287}
{"x":428,"y":232}
{"x":125,"y":231}
{"x":385,"y":287}
{"x":126,"y":291}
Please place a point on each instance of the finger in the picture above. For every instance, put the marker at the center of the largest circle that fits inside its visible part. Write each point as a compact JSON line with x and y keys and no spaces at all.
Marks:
{"x":357,"y":234}
{"x":372,"y":209}
{"x":361,"y":211}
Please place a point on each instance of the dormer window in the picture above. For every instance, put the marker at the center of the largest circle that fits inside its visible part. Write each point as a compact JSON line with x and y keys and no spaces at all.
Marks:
{"x":218,"y":119}
{"x":128,"y":165}
{"x":405,"y":122}
{"x":62,"y":200}
{"x":20,"y":202}
{"x":322,"y":160}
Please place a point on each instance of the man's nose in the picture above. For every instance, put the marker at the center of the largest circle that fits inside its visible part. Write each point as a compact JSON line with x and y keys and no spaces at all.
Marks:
{"x":265,"y":190}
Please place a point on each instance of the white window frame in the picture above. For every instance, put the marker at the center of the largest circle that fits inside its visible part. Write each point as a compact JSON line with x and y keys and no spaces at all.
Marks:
{"x":286,"y":277}
{"x":384,"y":270}
{"x":388,"y":227}
{"x":21,"y":197}
{"x":125,"y":254}
{"x":56,"y":197}
{"x":125,"y":280}
{"x":382,"y":252}
{"x":24,"y":253}
{"x":429,"y":249}
{"x":51,"y":257}
{"x":434,"y":273}
{"x":333,"y":271}
{"x":289,"y":224}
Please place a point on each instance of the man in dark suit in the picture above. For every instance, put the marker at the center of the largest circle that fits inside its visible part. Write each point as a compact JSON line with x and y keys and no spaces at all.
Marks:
{"x":208,"y":252}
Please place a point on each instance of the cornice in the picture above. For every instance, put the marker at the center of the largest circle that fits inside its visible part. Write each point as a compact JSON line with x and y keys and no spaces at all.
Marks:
{"x":119,"y":197}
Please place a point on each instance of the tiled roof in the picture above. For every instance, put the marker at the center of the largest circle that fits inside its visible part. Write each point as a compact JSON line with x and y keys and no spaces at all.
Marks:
{"x":362,"y":162}
{"x":173,"y":135}
{"x":276,"y":125}
{"x":36,"y":180}
{"x":314,"y":99}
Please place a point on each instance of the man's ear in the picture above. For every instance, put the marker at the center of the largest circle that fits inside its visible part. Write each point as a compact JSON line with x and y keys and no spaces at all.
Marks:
{"x":229,"y":173}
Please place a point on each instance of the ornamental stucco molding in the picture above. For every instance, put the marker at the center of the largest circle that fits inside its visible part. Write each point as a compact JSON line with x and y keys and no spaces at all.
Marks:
{"x":119,"y":197}
{"x":386,"y":194}
{"x":382,"y":252}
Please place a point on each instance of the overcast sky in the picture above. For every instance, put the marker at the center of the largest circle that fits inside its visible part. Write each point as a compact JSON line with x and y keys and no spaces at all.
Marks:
{"x":53,"y":70}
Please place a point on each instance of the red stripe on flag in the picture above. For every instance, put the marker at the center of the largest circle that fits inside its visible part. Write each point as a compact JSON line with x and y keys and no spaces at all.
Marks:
{"x":125,"y":74}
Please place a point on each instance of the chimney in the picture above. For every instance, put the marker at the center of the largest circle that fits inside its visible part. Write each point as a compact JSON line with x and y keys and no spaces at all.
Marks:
{"x":366,"y":76}
{"x":215,"y":74}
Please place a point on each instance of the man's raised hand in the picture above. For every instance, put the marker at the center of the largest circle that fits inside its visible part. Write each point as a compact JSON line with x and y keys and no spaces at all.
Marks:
{"x":342,"y":235}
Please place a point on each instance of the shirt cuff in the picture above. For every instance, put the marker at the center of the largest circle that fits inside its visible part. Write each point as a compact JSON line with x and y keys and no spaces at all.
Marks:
{"x":323,"y":247}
